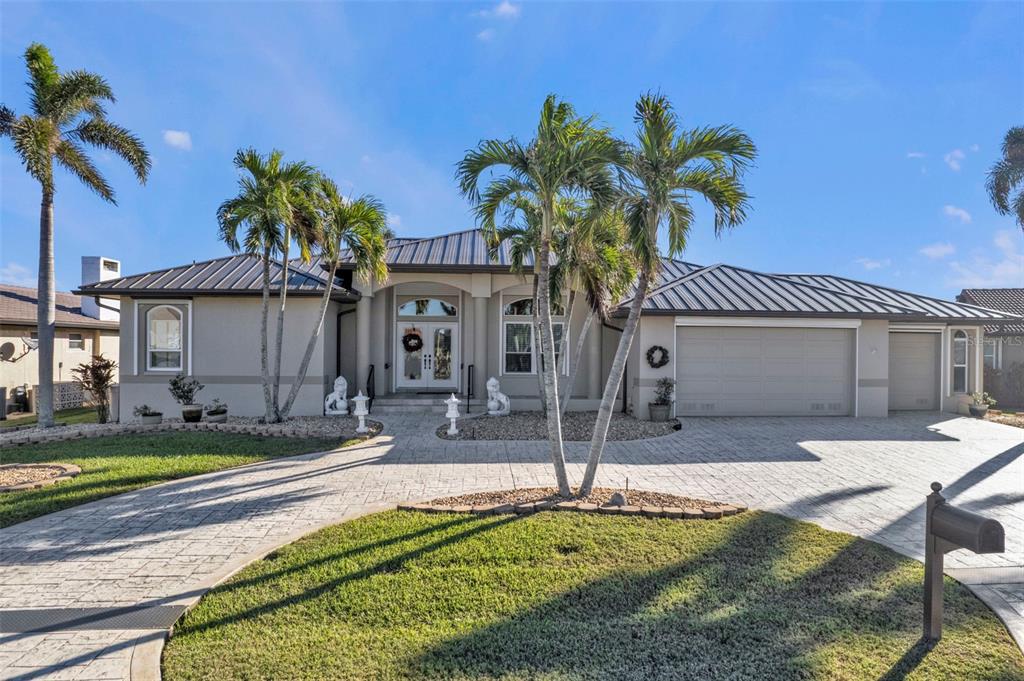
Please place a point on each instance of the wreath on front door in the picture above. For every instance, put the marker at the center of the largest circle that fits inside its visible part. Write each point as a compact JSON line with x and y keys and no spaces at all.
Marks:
{"x":657,"y":356}
{"x":412,"y":341}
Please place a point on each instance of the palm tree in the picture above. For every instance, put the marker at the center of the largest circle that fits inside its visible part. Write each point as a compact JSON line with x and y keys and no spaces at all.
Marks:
{"x":67,"y":113}
{"x":1007,"y":176}
{"x":662,"y":171}
{"x":271,"y":202}
{"x":358,"y":227}
{"x":569,"y":156}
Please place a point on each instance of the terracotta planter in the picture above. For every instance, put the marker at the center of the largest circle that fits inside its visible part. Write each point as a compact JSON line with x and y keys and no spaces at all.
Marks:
{"x":192,"y":413}
{"x":217,"y":418}
{"x":978,"y":411}
{"x":152,"y":419}
{"x":659,"y":412}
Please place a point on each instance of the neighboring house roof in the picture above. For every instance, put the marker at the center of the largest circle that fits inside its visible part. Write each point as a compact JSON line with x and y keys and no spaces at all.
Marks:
{"x":240,"y":274}
{"x":1007,"y":299}
{"x":18,"y":306}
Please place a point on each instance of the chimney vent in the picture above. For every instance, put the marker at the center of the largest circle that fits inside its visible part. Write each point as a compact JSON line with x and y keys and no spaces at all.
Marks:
{"x":96,"y":268}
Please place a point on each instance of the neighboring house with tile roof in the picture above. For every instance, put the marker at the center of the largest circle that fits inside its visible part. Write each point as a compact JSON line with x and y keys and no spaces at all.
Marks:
{"x":78,"y":337}
{"x":1004,"y":343}
{"x":450,"y":315}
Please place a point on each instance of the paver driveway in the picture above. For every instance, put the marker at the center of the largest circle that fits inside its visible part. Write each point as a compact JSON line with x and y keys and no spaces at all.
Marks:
{"x":163,"y":546}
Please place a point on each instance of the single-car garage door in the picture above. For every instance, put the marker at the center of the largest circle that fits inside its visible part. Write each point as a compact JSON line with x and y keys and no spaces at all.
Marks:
{"x":753,"y":371}
{"x":914,"y":371}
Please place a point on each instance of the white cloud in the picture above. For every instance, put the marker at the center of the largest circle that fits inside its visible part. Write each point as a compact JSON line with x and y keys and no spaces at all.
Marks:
{"x":394,"y":221}
{"x":486,"y":35}
{"x":984,"y":271}
{"x":503,"y":10}
{"x":179,"y":139}
{"x":916,"y":154}
{"x":954,"y":158}
{"x":974,"y":147}
{"x":957,"y":213}
{"x":872,"y":264}
{"x":18,"y":275}
{"x":938,"y":250}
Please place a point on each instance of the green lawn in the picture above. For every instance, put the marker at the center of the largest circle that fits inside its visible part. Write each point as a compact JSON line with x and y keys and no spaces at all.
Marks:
{"x":402,"y":595}
{"x":65,"y":416}
{"x":120,"y":463}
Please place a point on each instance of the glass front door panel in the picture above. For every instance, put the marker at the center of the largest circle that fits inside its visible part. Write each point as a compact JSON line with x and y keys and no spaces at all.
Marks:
{"x":442,"y":356}
{"x":412,"y":360}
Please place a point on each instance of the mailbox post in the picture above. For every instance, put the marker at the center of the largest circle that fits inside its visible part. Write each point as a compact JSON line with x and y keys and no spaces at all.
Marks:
{"x":948,"y":529}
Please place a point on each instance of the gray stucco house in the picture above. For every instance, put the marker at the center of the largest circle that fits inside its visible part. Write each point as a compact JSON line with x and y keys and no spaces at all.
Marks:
{"x":1004,"y":343}
{"x":740,"y":342}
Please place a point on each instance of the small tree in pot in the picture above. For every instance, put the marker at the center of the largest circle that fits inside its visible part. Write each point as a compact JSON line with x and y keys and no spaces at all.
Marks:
{"x":183,"y":390}
{"x":662,"y":404}
{"x":980,"y":402}
{"x":147,"y":415}
{"x":217,"y":412}
{"x":96,"y":377}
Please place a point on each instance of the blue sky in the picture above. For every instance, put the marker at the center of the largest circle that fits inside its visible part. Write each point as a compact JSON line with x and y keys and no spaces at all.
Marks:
{"x":875,"y":123}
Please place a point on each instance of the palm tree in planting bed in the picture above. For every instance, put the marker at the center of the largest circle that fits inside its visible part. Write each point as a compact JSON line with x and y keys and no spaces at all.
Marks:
{"x":568,"y":156}
{"x":358,"y":227}
{"x":663,"y":169}
{"x":1007,"y":176}
{"x":67,"y":113}
{"x":274,"y":204}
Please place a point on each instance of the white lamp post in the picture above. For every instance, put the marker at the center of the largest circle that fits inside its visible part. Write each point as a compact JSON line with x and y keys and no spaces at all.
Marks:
{"x":453,"y":413}
{"x":361,"y":412}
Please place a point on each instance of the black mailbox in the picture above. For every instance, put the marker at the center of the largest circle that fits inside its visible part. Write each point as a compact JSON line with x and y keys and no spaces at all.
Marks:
{"x":967,"y":530}
{"x":948,"y":529}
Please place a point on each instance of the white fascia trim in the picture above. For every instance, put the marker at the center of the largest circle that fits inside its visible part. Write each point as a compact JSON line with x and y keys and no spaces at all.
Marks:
{"x":783,"y":322}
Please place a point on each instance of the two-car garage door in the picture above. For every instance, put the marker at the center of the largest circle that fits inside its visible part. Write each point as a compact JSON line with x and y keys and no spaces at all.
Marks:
{"x":764,"y":371}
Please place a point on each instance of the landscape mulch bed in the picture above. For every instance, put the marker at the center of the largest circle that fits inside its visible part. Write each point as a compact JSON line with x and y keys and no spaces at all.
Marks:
{"x":15,"y":476}
{"x":599,"y":496}
{"x":576,"y":426}
{"x":1007,"y":418}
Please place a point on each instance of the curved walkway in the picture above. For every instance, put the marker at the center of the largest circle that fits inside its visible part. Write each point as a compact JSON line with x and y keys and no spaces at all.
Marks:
{"x":163,"y":546}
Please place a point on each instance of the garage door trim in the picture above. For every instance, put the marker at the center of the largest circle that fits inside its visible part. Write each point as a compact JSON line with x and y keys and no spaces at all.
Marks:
{"x":781,"y":322}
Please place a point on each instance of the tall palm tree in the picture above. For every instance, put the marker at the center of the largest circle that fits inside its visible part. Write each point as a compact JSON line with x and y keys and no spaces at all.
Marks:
{"x":358,"y":227}
{"x":67,"y":113}
{"x":1007,"y":177}
{"x":271,"y":202}
{"x":568,"y":156}
{"x":663,"y":169}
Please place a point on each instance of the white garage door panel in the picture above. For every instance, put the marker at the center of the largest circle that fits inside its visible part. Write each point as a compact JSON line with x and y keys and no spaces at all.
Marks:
{"x":913,"y":371}
{"x":737,"y":371}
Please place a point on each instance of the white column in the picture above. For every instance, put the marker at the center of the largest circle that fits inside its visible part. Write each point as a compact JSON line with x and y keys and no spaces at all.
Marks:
{"x":364,"y":309}
{"x":480,"y":359}
{"x":595,"y":379}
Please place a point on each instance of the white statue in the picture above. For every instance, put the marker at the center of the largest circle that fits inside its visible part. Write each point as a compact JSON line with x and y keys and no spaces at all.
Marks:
{"x":336,"y":403}
{"x":497,"y":401}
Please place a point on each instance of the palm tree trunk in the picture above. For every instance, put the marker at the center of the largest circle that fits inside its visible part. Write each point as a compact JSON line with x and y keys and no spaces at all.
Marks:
{"x":575,"y":364}
{"x":311,"y":345}
{"x":265,"y":341}
{"x":611,"y":388}
{"x":279,"y":348}
{"x":536,"y":342}
{"x":45,"y":312}
{"x":554,"y":417}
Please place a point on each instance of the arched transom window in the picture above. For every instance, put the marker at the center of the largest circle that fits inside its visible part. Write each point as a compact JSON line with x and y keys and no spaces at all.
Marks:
{"x":427,"y":307}
{"x":163,"y":338}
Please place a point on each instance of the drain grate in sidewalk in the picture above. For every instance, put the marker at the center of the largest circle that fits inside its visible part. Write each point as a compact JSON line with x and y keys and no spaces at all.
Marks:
{"x":85,"y":619}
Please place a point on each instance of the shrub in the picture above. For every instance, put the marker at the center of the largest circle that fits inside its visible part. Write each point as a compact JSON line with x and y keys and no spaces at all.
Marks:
{"x":663,"y":390}
{"x":97,"y":377}
{"x":183,"y":389}
{"x":146,"y":410}
{"x":216,"y":408}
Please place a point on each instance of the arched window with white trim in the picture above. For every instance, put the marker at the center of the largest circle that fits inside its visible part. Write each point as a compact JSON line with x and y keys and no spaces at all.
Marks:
{"x":163,"y":339}
{"x":960,"y":371}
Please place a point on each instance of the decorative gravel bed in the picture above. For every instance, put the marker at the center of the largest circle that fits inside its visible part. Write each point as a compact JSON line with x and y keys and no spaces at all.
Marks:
{"x":1007,"y":417}
{"x":600,"y":495}
{"x":18,"y":476}
{"x":576,"y":425}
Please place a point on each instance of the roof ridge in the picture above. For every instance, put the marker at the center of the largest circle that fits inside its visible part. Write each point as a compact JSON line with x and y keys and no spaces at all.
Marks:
{"x":416,"y":240}
{"x":894,"y":290}
{"x":814,"y":287}
{"x":679,"y":280}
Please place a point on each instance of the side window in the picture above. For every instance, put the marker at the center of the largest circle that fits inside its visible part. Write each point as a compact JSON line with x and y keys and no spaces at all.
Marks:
{"x":163,"y":339}
{"x":960,"y":362}
{"x":75,"y":341}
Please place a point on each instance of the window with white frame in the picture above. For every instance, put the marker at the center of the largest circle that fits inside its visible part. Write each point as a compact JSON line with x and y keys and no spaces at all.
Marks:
{"x":520,"y":342}
{"x":518,"y":347}
{"x":960,"y":362}
{"x":163,"y":339}
{"x":991,"y":353}
{"x":76,"y":342}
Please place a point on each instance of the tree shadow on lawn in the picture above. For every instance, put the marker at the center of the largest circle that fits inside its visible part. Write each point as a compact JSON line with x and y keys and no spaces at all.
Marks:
{"x":761,"y":605}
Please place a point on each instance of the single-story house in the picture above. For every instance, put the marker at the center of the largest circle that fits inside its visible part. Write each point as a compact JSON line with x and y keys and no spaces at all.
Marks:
{"x":449,"y":316}
{"x":84,"y":329}
{"x":1004,"y":343}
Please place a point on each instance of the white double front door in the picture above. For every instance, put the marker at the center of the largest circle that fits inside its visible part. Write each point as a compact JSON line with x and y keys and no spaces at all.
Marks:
{"x":427,"y":355}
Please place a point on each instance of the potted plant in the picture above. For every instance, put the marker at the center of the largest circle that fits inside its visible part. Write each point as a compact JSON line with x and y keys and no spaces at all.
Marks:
{"x":183,"y":390}
{"x":980,"y":402}
{"x":662,"y":403}
{"x":147,"y":415}
{"x":217,"y":412}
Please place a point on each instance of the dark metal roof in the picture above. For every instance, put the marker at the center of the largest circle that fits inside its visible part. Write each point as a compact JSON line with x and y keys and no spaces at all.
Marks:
{"x":465,"y":250}
{"x":232,"y":275}
{"x":18,"y":306}
{"x":1007,"y":299}
{"x":722,"y":289}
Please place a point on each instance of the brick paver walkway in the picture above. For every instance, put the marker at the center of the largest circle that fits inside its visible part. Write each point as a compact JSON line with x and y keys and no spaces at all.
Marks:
{"x":166,"y":545}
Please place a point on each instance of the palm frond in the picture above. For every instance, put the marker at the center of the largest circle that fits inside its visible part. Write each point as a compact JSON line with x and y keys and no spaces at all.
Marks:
{"x":489,"y":154}
{"x":7,"y":121}
{"x":79,"y":92}
{"x":73,"y":159}
{"x":43,"y":77}
{"x":32,"y":138}
{"x":101,"y":133}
